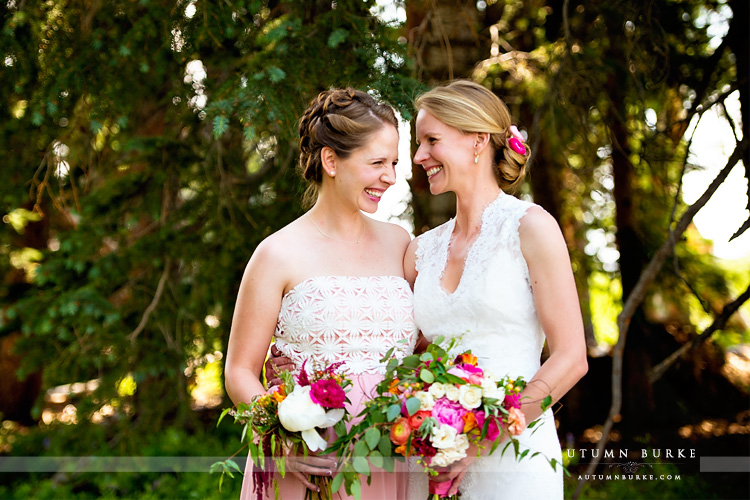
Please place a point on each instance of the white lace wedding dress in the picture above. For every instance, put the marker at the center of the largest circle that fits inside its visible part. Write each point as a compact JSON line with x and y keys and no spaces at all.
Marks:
{"x":354,"y":319}
{"x":493,"y":308}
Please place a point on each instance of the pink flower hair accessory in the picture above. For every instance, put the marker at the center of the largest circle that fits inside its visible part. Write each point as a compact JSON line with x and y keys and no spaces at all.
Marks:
{"x":515,"y":142}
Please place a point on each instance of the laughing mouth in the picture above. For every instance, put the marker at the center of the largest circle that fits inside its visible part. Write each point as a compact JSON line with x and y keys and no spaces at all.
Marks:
{"x":374,"y":193}
{"x":433,"y":170}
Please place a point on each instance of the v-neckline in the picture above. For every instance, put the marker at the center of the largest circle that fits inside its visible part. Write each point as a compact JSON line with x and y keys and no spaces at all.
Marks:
{"x":469,"y":251}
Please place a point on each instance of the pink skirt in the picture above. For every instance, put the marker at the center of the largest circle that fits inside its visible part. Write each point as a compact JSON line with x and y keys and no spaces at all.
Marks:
{"x":383,"y":485}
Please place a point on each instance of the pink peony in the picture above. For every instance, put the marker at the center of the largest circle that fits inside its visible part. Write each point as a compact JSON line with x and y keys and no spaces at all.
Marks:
{"x":327,"y":393}
{"x":470,"y":373}
{"x":449,"y":413}
{"x":512,"y":401}
{"x":493,"y":431}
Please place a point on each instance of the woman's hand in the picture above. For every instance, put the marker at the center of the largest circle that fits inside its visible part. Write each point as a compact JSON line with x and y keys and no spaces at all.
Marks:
{"x":302,"y":467}
{"x":275,"y":364}
{"x":456,"y":471}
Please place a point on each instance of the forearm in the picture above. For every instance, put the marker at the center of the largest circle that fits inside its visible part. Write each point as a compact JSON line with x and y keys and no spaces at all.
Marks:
{"x":242,"y":385}
{"x":557,"y":375}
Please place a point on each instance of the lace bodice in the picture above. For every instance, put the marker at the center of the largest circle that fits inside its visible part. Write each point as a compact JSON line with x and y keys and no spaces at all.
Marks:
{"x":492,"y":308}
{"x":355,"y":319}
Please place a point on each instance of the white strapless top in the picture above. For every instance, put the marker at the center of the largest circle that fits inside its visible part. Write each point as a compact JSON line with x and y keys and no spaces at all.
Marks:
{"x":355,"y":319}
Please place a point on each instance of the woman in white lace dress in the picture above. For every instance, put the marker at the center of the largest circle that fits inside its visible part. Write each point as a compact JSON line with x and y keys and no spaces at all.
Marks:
{"x":498,"y":274}
{"x":329,"y":286}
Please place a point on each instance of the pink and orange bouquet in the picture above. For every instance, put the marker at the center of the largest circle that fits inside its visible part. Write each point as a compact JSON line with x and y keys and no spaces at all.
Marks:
{"x":290,"y":417}
{"x":434,"y":406}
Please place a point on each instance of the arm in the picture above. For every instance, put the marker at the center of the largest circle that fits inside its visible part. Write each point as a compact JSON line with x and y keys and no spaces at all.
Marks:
{"x":410,"y":274}
{"x":556,"y":299}
{"x":253,"y":326}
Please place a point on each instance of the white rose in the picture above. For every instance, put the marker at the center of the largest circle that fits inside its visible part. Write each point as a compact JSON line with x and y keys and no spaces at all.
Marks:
{"x":443,"y":458}
{"x":437,"y":390}
{"x":453,"y":455}
{"x":462,"y":443}
{"x":299,"y":413}
{"x":425,"y":399}
{"x":470,"y":396}
{"x":439,"y":460}
{"x":443,"y":436}
{"x":490,"y":388}
{"x":451,"y":392}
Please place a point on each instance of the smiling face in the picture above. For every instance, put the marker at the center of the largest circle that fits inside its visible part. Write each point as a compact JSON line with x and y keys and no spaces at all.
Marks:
{"x":444,"y":152}
{"x":363,"y":177}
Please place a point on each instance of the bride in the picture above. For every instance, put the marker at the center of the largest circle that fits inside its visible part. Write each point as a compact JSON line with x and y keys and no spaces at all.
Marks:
{"x":499,"y":276}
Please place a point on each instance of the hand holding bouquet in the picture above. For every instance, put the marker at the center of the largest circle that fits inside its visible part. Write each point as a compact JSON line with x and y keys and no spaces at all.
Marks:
{"x":286,"y":421}
{"x":434,"y":406}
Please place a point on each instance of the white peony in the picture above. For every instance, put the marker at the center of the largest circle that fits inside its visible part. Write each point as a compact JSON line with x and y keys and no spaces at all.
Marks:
{"x":470,"y":396}
{"x":490,"y":388}
{"x":299,"y":413}
{"x":425,"y":399}
{"x":451,"y":392}
{"x":443,"y":436}
{"x":439,"y":460}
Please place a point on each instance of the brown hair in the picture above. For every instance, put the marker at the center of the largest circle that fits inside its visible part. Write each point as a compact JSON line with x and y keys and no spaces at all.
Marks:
{"x":341,"y":119}
{"x":472,"y":108}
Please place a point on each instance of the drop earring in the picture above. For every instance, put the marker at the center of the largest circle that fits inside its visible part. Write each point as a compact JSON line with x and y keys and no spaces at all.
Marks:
{"x":476,"y":157}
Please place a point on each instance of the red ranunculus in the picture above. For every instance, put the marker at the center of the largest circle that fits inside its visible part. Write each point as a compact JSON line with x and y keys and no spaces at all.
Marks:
{"x":415,"y":421}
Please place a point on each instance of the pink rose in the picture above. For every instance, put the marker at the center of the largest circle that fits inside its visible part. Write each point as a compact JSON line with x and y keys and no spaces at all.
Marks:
{"x":450,"y":413}
{"x":327,"y":393}
{"x":516,"y":421}
{"x":493,"y":431}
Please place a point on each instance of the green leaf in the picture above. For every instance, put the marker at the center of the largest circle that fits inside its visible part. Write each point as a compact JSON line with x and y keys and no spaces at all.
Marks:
{"x":376,"y":459}
{"x":336,"y":37}
{"x":124,"y":51}
{"x":426,"y":357}
{"x":384,"y":446}
{"x":233,"y":465}
{"x":410,"y":361}
{"x":412,"y":405}
{"x":393,"y":411}
{"x":356,"y":489}
{"x":546,"y":403}
{"x":426,"y":375}
{"x":361,"y":449}
{"x":388,"y":463}
{"x":338,"y":480}
{"x":360,"y":465}
{"x":372,"y":437}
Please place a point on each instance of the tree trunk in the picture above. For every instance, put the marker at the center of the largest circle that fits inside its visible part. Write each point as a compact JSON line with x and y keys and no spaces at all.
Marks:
{"x":443,"y":37}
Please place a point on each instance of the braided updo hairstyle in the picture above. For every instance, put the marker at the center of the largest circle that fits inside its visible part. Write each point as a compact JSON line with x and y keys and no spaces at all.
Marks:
{"x":472,"y":108}
{"x":343,"y":120}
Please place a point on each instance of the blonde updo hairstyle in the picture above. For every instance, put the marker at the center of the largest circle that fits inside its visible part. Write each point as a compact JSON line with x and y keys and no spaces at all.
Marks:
{"x":472,"y":108}
{"x":343,"y":120}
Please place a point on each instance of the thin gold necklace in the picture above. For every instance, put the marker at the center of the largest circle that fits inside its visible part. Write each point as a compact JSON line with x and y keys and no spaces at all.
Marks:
{"x":362,"y":231}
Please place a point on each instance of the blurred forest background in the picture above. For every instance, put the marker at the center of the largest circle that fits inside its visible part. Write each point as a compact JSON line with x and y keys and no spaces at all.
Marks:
{"x":148,"y":146}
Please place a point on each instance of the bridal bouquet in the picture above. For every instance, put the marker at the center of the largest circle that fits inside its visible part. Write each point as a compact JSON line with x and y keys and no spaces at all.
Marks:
{"x":288,"y":417}
{"x":433,"y":406}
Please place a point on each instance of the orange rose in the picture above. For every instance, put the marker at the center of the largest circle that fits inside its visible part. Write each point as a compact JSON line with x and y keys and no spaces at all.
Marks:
{"x":470,"y":421}
{"x":400,"y":431}
{"x":401,"y":450}
{"x":415,"y":421}
{"x":468,"y":359}
{"x":393,"y":388}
